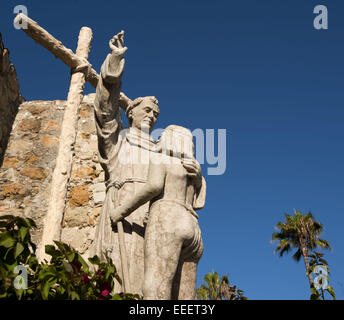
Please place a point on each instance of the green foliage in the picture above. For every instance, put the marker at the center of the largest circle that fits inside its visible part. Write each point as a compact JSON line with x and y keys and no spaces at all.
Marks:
{"x":66,"y":276}
{"x":16,"y":248}
{"x":299,"y":230}
{"x":302,"y":232}
{"x":214,"y":288}
{"x":314,"y":264}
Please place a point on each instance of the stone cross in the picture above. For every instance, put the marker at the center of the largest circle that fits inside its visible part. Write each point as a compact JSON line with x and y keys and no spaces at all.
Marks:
{"x":82,"y":71}
{"x":53,"y":219}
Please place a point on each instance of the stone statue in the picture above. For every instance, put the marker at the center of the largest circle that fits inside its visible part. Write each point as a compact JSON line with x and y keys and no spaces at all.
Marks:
{"x":124,"y":156}
{"x":173,"y":243}
{"x":118,"y":153}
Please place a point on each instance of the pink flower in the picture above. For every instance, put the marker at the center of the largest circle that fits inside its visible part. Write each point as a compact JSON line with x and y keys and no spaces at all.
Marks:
{"x":86,"y":279}
{"x":105,"y":292}
{"x":106,"y":288}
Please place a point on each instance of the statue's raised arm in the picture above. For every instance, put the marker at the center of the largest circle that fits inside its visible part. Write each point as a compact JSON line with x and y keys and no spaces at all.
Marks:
{"x":116,"y":60}
{"x":107,"y":106}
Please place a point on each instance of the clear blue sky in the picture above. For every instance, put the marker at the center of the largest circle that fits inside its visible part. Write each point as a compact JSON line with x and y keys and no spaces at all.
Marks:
{"x":256,"y":68}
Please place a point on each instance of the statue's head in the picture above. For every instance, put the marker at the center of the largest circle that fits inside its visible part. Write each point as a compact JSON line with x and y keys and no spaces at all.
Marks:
{"x":177,"y":141}
{"x":143,"y":112}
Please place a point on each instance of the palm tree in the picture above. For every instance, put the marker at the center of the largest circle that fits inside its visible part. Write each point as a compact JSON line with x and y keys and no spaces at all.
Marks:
{"x":299,"y":231}
{"x":214,"y":288}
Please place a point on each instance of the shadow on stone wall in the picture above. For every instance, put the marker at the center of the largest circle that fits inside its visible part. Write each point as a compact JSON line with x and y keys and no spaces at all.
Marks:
{"x":10,"y":98}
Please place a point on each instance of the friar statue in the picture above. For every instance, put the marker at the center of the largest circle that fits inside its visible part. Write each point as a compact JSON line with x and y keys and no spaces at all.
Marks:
{"x":124,"y":156}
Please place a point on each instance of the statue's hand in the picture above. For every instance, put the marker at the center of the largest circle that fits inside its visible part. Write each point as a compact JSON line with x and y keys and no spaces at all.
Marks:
{"x":194,"y":170}
{"x":116,"y":216}
{"x":117,"y":44}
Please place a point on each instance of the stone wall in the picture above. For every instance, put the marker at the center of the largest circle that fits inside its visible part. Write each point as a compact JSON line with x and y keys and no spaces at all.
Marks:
{"x":10,"y":98}
{"x":29,"y":160}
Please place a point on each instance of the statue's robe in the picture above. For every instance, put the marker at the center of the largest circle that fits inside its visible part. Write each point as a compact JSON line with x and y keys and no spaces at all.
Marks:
{"x":124,"y":156}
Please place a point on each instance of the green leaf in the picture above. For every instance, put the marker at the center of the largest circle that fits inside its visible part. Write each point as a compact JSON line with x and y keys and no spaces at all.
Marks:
{"x":6,"y":240}
{"x":323,"y":261}
{"x":10,"y":267}
{"x":83,"y":262}
{"x":50,"y":250}
{"x":18,"y":250}
{"x":94,"y":260}
{"x":23,"y":231}
{"x":116,"y":297}
{"x":61,"y":290}
{"x":33,"y":262}
{"x":117,"y":277}
{"x":130,"y":296}
{"x":63,"y":247}
{"x":74,"y":295}
{"x":46,"y":273}
{"x":70,"y":256}
{"x":24,"y":222}
{"x":46,"y":288}
{"x":7,"y":252}
{"x":109,"y":271}
{"x":30,"y":223}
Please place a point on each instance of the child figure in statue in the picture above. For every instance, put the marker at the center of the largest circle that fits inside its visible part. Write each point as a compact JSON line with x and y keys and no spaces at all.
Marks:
{"x":172,"y":242}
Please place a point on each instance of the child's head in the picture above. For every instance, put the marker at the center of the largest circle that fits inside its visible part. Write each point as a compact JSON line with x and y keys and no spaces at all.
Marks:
{"x":177,"y":141}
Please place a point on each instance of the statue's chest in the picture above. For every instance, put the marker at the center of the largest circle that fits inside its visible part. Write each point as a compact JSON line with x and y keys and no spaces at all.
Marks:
{"x":132,"y":162}
{"x":139,"y":162}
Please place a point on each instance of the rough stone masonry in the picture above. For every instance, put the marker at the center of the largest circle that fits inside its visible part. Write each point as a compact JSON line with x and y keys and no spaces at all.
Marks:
{"x":10,"y":98}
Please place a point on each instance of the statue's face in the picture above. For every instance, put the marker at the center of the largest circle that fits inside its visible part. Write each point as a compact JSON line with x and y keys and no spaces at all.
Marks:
{"x":144,"y":116}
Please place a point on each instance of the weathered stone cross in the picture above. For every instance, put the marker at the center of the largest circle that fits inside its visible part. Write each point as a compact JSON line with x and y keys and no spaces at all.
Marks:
{"x":82,"y":71}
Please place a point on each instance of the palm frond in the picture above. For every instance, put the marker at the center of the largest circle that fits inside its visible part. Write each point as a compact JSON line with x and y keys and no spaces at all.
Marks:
{"x":323,"y":244}
{"x":298,"y":230}
{"x":297,"y":255}
{"x":283,"y":247}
